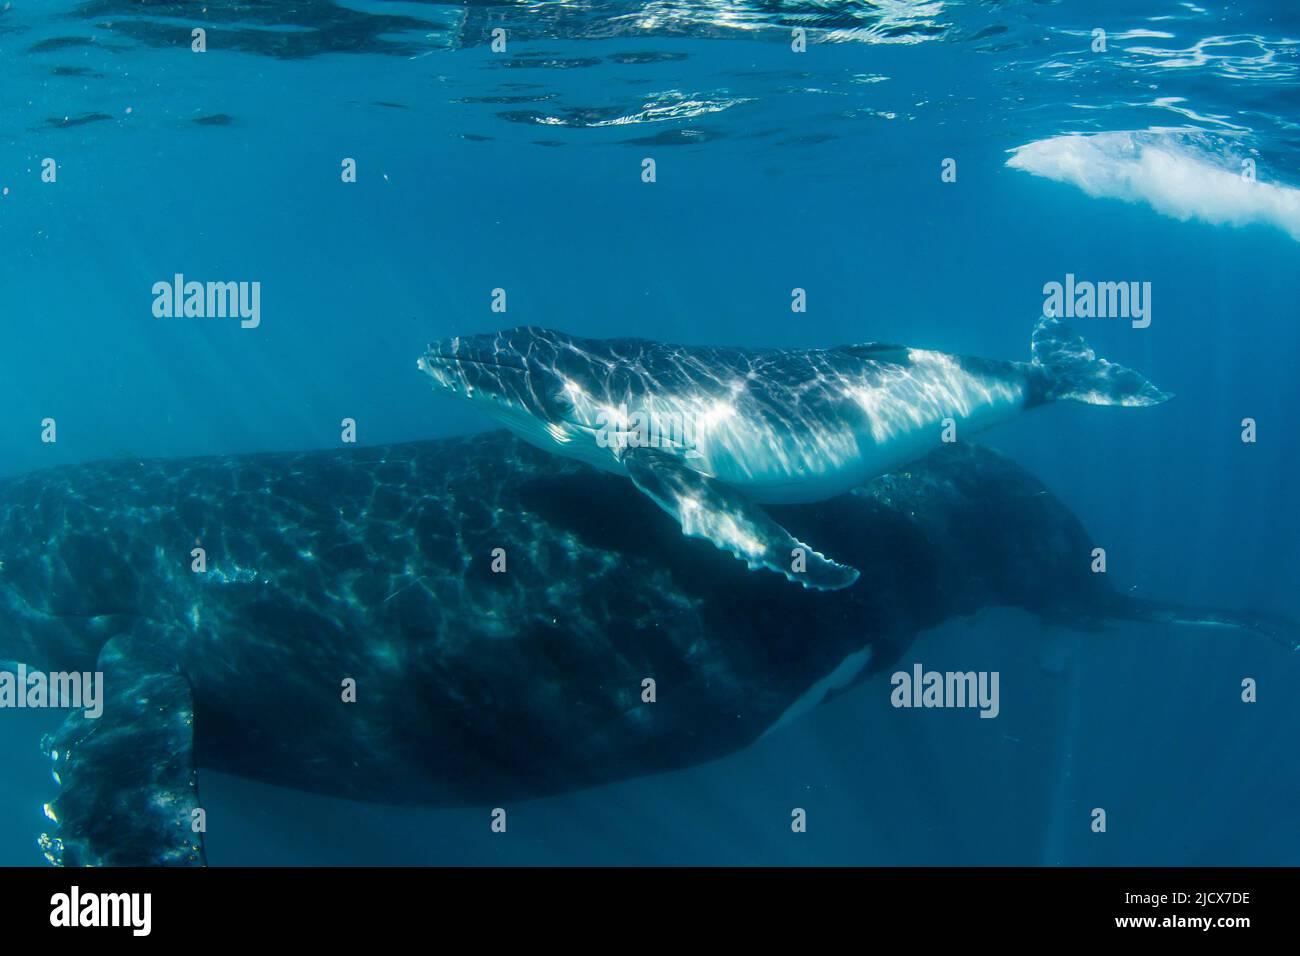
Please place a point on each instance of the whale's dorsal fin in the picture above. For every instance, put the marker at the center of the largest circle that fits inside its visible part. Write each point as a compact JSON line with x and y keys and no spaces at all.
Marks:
{"x":880,"y":351}
{"x":128,"y":784}
{"x":713,"y":511}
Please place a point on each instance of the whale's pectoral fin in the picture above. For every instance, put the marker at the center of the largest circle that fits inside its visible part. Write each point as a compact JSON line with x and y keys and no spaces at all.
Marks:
{"x":711,"y":510}
{"x":128,"y":789}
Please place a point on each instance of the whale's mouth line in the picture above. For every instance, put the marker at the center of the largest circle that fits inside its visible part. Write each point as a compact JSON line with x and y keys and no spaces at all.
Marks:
{"x":457,"y":360}
{"x":452,"y":362}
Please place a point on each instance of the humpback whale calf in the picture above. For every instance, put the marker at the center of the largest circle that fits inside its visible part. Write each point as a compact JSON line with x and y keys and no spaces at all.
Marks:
{"x":707,"y":433}
{"x":497,"y":607}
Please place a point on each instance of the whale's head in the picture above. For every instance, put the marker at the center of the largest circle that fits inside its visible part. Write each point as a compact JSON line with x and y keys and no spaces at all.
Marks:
{"x":523,"y":377}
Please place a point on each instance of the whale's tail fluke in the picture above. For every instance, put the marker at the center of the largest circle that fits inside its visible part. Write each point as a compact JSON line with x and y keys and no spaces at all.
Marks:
{"x":1275,"y":627}
{"x":1075,"y":373}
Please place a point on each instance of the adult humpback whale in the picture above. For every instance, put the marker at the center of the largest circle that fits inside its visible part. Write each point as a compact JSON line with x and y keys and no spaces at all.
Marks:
{"x":707,"y":432}
{"x":473,"y":686}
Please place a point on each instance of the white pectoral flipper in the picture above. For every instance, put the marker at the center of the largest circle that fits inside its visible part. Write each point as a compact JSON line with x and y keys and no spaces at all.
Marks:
{"x":711,"y":510}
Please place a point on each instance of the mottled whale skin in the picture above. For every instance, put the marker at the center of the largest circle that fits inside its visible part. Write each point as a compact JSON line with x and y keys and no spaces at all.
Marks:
{"x":473,"y":687}
{"x":709,"y":433}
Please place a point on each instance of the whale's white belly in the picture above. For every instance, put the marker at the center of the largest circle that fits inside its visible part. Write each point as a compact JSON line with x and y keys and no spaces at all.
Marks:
{"x":881,"y":425}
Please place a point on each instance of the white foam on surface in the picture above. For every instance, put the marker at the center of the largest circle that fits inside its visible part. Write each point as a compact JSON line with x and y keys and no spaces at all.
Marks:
{"x":1175,"y":173}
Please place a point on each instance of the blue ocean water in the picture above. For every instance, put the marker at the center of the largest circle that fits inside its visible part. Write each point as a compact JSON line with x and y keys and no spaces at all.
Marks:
{"x":774,"y":170}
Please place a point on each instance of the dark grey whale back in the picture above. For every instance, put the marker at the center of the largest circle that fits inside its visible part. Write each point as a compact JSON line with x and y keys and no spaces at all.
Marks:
{"x":376,"y":563}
